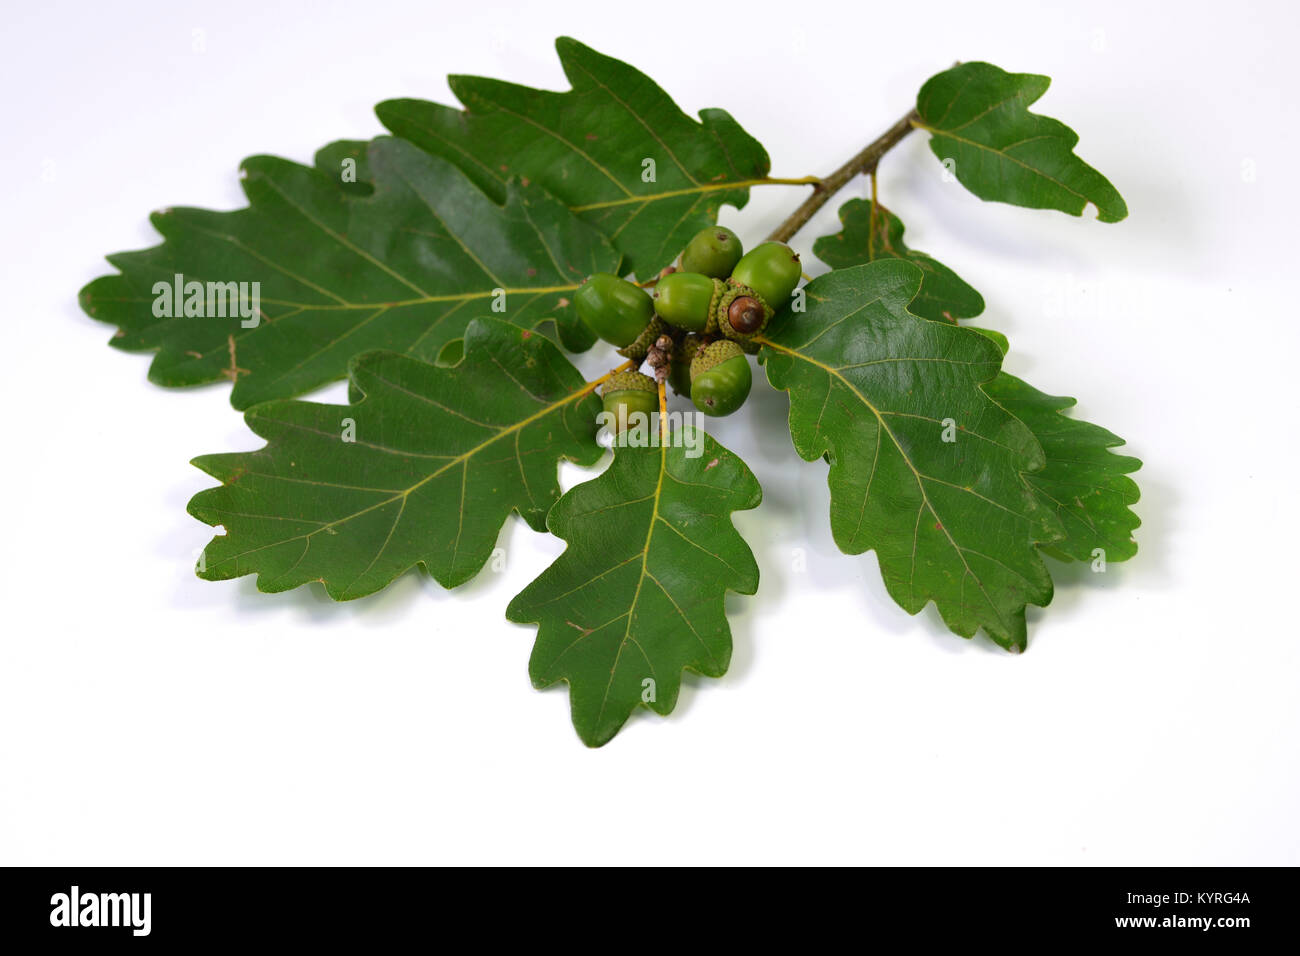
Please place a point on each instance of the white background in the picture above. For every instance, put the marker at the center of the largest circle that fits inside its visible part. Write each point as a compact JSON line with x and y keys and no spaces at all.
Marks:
{"x":150,"y":717}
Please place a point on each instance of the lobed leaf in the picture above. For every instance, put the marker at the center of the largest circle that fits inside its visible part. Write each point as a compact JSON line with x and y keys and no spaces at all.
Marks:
{"x":403,"y":266}
{"x":638,"y":594}
{"x":1083,"y":482}
{"x":347,"y":161}
{"x":874,"y":389}
{"x":979,"y":119}
{"x":866,"y":237}
{"x":422,"y":468}
{"x":589,"y":146}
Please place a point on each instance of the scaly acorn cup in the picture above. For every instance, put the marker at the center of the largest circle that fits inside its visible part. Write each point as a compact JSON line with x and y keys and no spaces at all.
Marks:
{"x":679,"y":369}
{"x":772,"y":270}
{"x":720,"y":378}
{"x":615,"y":309}
{"x":626,"y":393}
{"x":712,"y":252}
{"x":637,"y":349}
{"x":683,"y":299}
{"x":719,"y":290}
{"x":741,"y":314}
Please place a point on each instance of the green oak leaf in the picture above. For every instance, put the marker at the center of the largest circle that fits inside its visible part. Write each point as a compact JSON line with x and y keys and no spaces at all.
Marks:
{"x":997,"y":338}
{"x":873,"y":389}
{"x":589,"y":147}
{"x":638,"y":594}
{"x":1083,"y":482}
{"x":979,"y":118}
{"x":422,"y":468}
{"x":347,"y":162}
{"x":403,"y":268}
{"x":944,"y":295}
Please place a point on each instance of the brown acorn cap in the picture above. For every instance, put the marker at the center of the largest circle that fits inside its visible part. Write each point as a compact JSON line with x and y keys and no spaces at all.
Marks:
{"x":746,"y":315}
{"x":743,"y":306}
{"x":714,"y":354}
{"x":628,"y":382}
{"x":638,"y":349}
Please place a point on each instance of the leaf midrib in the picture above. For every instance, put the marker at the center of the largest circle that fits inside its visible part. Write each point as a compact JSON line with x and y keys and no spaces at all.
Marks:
{"x":697,"y":189}
{"x":640,"y":581}
{"x":643,"y":574}
{"x":999,"y":152}
{"x":461,"y":459}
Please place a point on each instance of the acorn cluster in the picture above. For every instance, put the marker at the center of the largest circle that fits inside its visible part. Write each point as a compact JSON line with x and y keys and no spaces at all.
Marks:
{"x":695,"y":327}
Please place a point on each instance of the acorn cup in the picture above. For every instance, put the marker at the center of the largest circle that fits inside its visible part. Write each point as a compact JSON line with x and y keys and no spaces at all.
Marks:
{"x":616,"y":310}
{"x":772,"y":270}
{"x":720,"y":378}
{"x":713,"y":252}
{"x":626,"y":393}
{"x":637,"y":349}
{"x":741,"y":314}
{"x":679,"y":370}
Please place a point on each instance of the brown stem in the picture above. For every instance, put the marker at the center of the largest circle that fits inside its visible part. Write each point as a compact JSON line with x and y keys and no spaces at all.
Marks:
{"x":864,"y":161}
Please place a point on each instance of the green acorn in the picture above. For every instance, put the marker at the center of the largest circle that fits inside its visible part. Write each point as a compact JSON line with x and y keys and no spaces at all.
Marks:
{"x":615,"y":309}
{"x":741,"y":314}
{"x":720,"y":378}
{"x":712,"y":252}
{"x":684,"y":299}
{"x":638,"y":348}
{"x":772,"y":270}
{"x":629,"y":392}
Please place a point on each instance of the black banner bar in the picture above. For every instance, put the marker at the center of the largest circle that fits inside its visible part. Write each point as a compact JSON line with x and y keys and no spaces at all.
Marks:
{"x":1228,"y":907}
